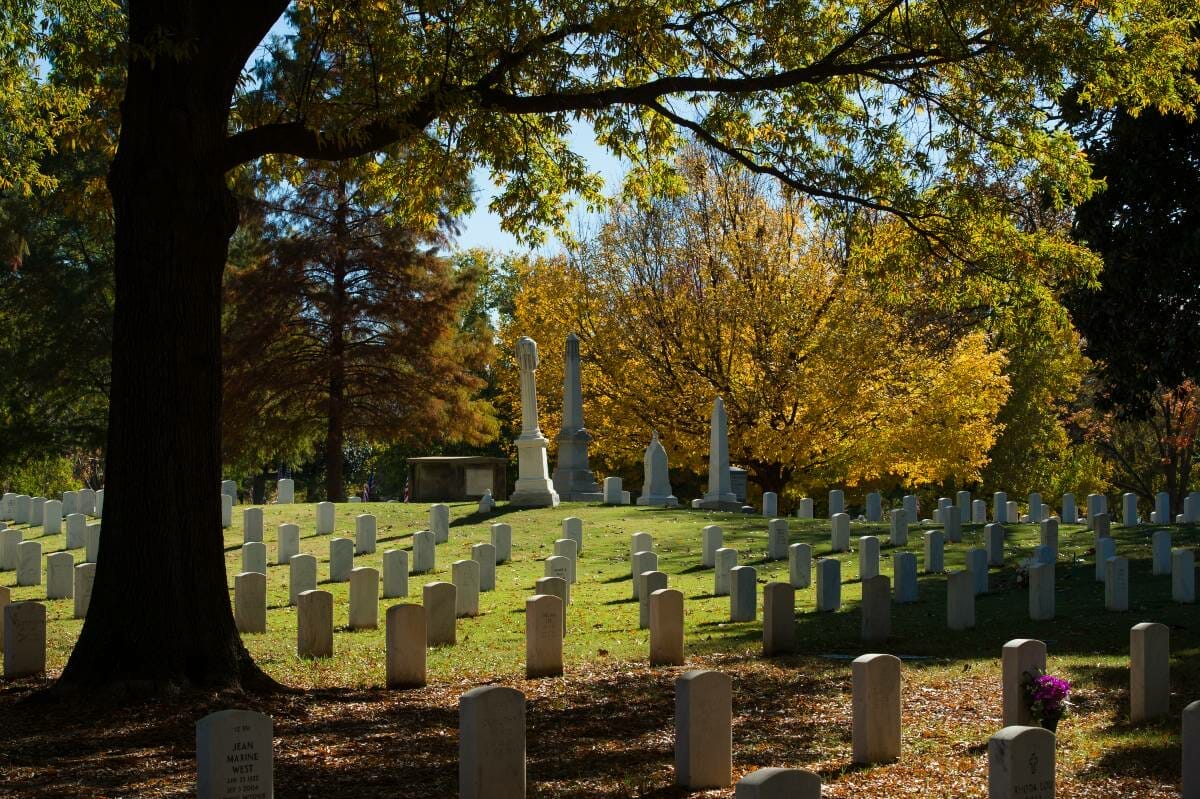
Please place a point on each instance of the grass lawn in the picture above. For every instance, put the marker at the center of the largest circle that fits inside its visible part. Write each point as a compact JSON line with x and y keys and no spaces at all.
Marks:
{"x":606,"y":727}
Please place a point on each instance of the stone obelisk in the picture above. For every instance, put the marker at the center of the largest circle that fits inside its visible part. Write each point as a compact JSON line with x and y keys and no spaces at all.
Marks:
{"x":533,"y":489}
{"x":720,"y":494}
{"x":573,"y":479}
{"x":656,"y":486}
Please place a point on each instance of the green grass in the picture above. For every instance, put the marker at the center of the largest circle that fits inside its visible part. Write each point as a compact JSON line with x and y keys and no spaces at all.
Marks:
{"x":603,"y":618}
{"x":791,"y":710}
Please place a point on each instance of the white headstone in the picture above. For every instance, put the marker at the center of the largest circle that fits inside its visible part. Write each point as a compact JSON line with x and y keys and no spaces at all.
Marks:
{"x":743,"y":593}
{"x":1021,"y":763}
{"x":899,"y":531}
{"x":777,"y":539}
{"x":650,"y":582}
{"x":613,"y":493}
{"x":572,"y":528}
{"x":1149,"y":671}
{"x":876,"y":608}
{"x":10,"y":539}
{"x":874,"y":507}
{"x":1116,"y":584}
{"x":868,"y":557}
{"x":1162,"y":506}
{"x":770,"y":508}
{"x":1048,"y":535}
{"x":24,"y":639}
{"x":341,"y":559}
{"x":52,"y":517}
{"x":703,"y":730}
{"x":285,"y":491}
{"x":904,"y":569}
{"x":405,"y":645}
{"x":302,"y":576}
{"x":804,"y":510}
{"x":491,"y":743}
{"x":666,"y":627}
{"x":779,"y":783}
{"x":485,"y":556}
{"x":502,"y":541}
{"x":726,"y":559}
{"x":76,"y":527}
{"x":978,"y":511}
{"x":800,"y":565}
{"x":91,"y":542}
{"x":29,"y":563}
{"x":465,"y":574}
{"x":1129,"y":509}
{"x":840,"y":532}
{"x":1000,"y":507}
{"x":252,"y":525}
{"x":439,"y":522}
{"x":779,"y":619}
{"x":710,"y":542}
{"x":287,"y":543}
{"x":226,"y":511}
{"x":1070,"y":514}
{"x":567,"y":548}
{"x":364,"y":598}
{"x":1041,"y":592}
{"x":423,"y":557}
{"x":837,"y":502}
{"x":234,"y":756}
{"x":934,"y":552}
{"x":60,"y":575}
{"x":829,"y":584}
{"x":254,"y":557}
{"x":977,"y":565}
{"x":85,"y":576}
{"x":250,"y":602}
{"x":1020,"y":659}
{"x":994,"y":536}
{"x":395,"y":573}
{"x":364,"y":534}
{"x":544,"y":636}
{"x":325,"y":518}
{"x":1183,"y":576}
{"x":441,"y":601}
{"x":640,"y":562}
{"x":960,"y":600}
{"x":875,"y":700}
{"x":1105,"y":549}
{"x":314,"y":624}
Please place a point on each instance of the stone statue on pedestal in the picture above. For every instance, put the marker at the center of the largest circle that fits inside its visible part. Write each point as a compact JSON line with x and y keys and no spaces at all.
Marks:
{"x":573,"y":479}
{"x":533,"y":488}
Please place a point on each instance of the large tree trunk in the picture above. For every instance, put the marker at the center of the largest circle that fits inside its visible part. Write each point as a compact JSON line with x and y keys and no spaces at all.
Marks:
{"x":160,"y":616}
{"x":335,"y":431}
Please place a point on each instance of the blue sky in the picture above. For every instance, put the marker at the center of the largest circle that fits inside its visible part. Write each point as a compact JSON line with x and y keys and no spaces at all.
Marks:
{"x":482,"y":228}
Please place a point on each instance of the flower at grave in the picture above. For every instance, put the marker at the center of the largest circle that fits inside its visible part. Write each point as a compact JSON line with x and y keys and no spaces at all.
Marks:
{"x":1046,"y":697}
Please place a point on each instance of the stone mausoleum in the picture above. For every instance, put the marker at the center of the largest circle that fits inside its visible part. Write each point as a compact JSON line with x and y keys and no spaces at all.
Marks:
{"x":450,"y":478}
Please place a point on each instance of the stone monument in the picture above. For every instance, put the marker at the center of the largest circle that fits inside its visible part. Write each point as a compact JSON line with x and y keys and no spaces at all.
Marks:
{"x":720,"y":494}
{"x":573,"y":479}
{"x":656,"y":488}
{"x":533,"y":488}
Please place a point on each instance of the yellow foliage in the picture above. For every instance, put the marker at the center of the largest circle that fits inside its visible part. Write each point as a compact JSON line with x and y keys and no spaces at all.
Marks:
{"x":729,"y":291}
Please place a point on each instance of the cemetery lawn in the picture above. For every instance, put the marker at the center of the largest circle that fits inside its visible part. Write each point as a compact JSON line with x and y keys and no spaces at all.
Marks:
{"x":606,"y":727}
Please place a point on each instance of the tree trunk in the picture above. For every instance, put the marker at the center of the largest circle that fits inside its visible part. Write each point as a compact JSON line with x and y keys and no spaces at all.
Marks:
{"x":160,"y":616}
{"x":335,"y":433}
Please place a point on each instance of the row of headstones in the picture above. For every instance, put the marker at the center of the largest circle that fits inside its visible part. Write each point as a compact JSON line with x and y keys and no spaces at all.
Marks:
{"x":285,"y":491}
{"x":49,"y":513}
{"x":234,"y":748}
{"x":25,"y":557}
{"x":1004,"y":510}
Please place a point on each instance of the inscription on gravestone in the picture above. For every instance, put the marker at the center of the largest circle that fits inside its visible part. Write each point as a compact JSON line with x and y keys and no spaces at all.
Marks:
{"x":234,"y":757}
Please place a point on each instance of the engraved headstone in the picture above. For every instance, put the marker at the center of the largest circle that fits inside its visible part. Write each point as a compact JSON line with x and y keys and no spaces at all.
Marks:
{"x":800,"y":565}
{"x":406,"y":641}
{"x":314,"y":624}
{"x":491,"y":743}
{"x":666,"y":627}
{"x":250,"y":602}
{"x":234,"y":756}
{"x":726,"y":559}
{"x":829,"y":584}
{"x":543,"y":636}
{"x":302,"y":576}
{"x":1018,"y":658}
{"x":440,"y":600}
{"x":24,"y":639}
{"x":364,"y":598}
{"x":364,"y":534}
{"x":395,"y":573}
{"x":904,"y":569}
{"x":1021,"y":763}
{"x":502,"y":541}
{"x":1149,"y":671}
{"x":875,"y":700}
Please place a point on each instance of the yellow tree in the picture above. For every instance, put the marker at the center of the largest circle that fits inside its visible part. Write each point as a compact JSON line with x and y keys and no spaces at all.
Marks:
{"x":728,"y":289}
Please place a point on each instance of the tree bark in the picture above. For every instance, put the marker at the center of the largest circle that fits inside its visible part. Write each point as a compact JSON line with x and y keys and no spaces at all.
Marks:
{"x":160,"y":616}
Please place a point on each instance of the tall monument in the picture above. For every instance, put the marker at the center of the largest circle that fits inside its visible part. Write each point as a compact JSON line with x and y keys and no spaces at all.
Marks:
{"x":533,"y":489}
{"x":572,"y":478}
{"x":656,"y":486}
{"x":720,"y":494}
